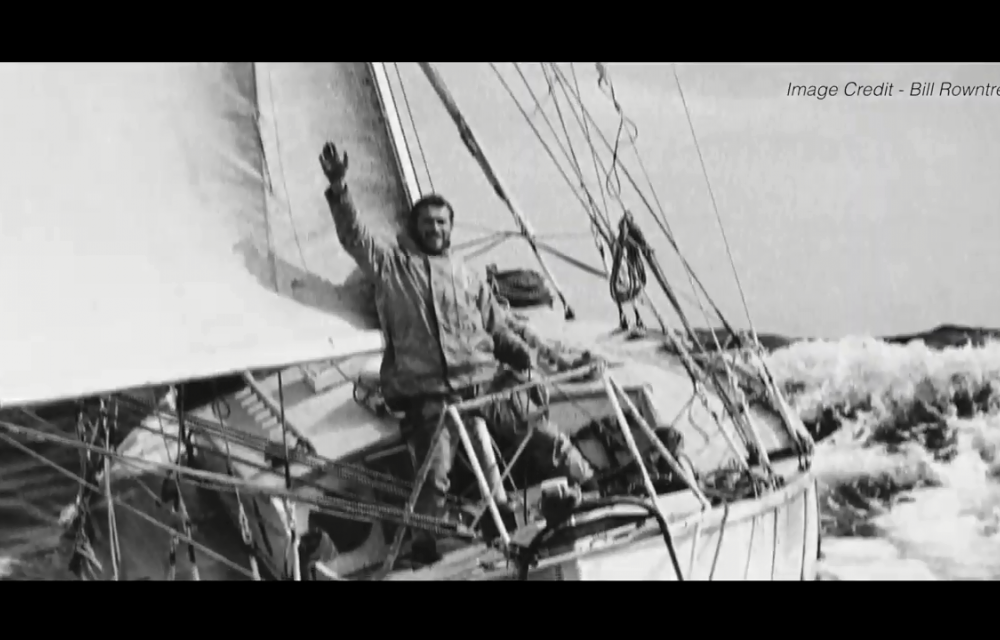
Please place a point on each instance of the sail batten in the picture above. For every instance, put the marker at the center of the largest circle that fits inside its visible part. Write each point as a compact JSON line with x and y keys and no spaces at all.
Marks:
{"x":137,"y":230}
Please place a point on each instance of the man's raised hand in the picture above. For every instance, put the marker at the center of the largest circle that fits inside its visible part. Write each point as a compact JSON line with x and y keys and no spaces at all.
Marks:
{"x":334,"y":165}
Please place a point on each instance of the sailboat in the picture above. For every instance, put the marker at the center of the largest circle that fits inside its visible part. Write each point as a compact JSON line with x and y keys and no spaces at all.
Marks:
{"x":194,"y":188}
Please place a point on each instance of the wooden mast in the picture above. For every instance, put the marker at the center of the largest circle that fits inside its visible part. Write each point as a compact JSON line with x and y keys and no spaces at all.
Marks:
{"x":400,"y":148}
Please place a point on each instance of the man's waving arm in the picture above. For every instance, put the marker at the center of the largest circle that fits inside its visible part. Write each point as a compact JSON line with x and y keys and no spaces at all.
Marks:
{"x":367,"y":251}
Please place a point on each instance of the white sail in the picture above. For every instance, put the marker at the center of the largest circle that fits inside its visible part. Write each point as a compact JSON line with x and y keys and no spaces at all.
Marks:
{"x":139,"y":241}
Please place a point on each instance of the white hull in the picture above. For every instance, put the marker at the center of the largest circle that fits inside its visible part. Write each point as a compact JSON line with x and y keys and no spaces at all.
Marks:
{"x":773,"y":538}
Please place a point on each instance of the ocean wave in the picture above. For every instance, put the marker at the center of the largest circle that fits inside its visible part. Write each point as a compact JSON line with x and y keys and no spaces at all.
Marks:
{"x":909,"y":451}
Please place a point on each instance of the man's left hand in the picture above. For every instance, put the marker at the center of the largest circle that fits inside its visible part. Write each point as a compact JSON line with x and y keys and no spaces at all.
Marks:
{"x":514,"y":353}
{"x":520,"y":357}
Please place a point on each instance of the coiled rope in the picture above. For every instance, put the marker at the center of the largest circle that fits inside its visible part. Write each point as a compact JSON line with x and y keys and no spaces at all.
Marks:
{"x":519,"y":288}
{"x":628,"y":285}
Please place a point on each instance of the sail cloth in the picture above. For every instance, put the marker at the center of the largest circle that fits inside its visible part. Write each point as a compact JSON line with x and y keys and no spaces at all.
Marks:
{"x":151,"y":232}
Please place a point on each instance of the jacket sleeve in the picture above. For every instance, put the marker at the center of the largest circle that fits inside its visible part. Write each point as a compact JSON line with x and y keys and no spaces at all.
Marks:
{"x":367,"y":251}
{"x":507,"y":333}
{"x":496,"y":320}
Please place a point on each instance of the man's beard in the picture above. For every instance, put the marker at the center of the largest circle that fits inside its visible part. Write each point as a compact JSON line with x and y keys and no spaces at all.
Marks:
{"x":423,"y":245}
{"x":445,"y":245}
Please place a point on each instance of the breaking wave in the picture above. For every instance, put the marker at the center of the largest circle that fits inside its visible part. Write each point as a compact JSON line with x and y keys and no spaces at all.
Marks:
{"x":909,"y":454}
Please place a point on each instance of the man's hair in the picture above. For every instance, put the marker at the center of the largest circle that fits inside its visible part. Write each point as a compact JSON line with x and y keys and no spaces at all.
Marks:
{"x":431,"y":201}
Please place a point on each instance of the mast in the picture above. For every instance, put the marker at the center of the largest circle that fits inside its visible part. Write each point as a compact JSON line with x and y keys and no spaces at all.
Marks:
{"x":469,"y":138}
{"x":400,"y":148}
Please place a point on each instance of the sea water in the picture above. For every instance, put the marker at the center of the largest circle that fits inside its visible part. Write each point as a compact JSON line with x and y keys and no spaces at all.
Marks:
{"x":849,"y":215}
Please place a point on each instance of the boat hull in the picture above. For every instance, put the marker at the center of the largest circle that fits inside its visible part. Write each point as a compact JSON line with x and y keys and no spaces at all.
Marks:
{"x":772,"y":537}
{"x":775,"y":537}
{"x":752,"y":540}
{"x":757,"y":540}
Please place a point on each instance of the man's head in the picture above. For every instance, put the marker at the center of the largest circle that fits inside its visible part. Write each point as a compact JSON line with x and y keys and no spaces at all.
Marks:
{"x":430,"y":223}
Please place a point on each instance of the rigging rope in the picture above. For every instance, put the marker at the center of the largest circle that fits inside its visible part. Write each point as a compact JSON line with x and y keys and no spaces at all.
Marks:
{"x":595,"y":228}
{"x":694,"y":370}
{"x":715,"y":205}
{"x":176,"y":496}
{"x":246,"y":533}
{"x":84,"y":484}
{"x":491,"y":243}
{"x":660,"y":221}
{"x":83,"y":562}
{"x":413,"y":125}
{"x":599,"y":219}
{"x":736,"y":388}
{"x":609,"y":90}
{"x":624,"y":124}
{"x":267,"y":469}
{"x":291,"y":526}
{"x":339,"y":507}
{"x":260,"y":444}
{"x":805,"y":442}
{"x":586,"y":135}
{"x":590,"y":208}
{"x":112,"y":521}
{"x":596,"y":213}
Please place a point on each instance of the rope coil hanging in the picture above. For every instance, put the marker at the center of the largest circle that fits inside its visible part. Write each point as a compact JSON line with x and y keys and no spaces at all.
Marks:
{"x":628,"y":285}
{"x":109,"y":429}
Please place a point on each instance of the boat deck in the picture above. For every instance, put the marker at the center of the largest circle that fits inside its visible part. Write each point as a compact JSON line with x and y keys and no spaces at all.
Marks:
{"x":339,"y":427}
{"x":343,"y":430}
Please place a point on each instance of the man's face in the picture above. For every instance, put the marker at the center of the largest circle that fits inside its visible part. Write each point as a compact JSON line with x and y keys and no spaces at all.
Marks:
{"x":434,"y":229}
